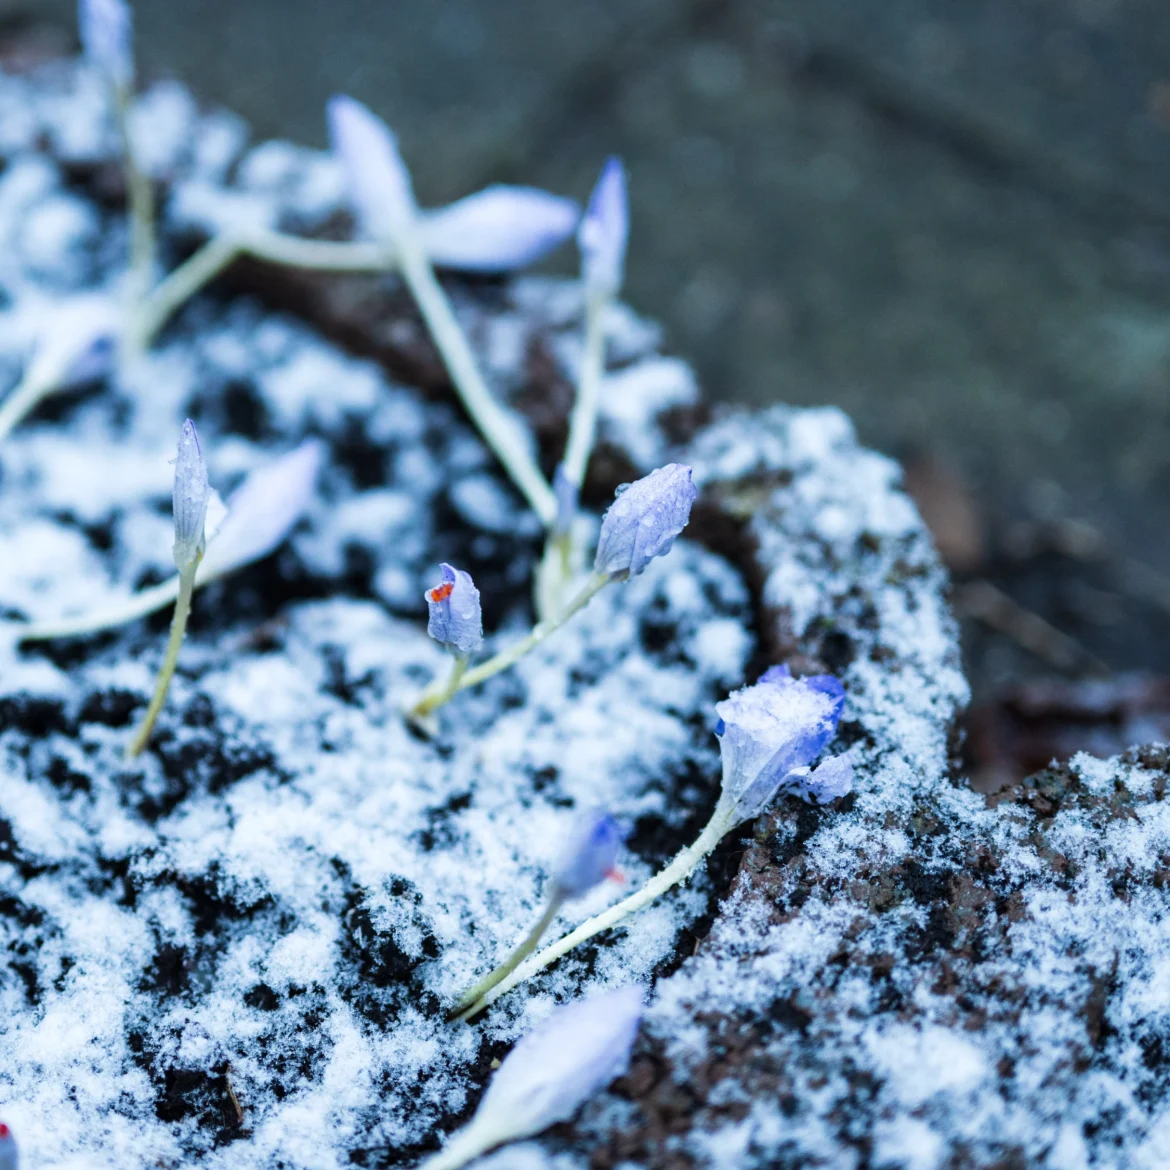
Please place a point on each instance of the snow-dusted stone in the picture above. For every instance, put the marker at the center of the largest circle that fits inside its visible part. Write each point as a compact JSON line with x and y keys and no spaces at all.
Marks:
{"x":237,"y":953}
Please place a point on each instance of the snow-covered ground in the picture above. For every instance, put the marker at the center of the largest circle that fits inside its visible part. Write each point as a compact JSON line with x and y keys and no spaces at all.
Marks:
{"x":238,"y":952}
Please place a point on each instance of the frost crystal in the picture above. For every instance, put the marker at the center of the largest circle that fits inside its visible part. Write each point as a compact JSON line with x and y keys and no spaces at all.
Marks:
{"x":772,"y":729}
{"x":106,"y":28}
{"x":497,"y":229}
{"x":190,"y":496}
{"x":579,"y":1049}
{"x":379,"y":183}
{"x":643,"y":521}
{"x":589,"y":855}
{"x":263,"y":510}
{"x":456,"y":620}
{"x":8,"y":1152}
{"x":604,"y":231}
{"x":831,"y":778}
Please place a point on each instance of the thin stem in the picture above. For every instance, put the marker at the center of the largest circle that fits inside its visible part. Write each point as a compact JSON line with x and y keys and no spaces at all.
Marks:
{"x":181,"y":285}
{"x":24,"y":398}
{"x":167,"y":671}
{"x":440,"y":691}
{"x":677,"y":871}
{"x":583,"y":420}
{"x":140,"y":192}
{"x":433,"y":699}
{"x":497,"y":427}
{"x":500,"y":973}
{"x":321,"y":255}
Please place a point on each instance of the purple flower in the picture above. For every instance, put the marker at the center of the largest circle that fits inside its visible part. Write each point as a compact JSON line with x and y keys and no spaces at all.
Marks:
{"x":769,"y":730}
{"x":379,"y":183}
{"x":189,"y":499}
{"x":558,"y":1066}
{"x":456,"y":620}
{"x":497,"y":229}
{"x":643,"y":521}
{"x":589,"y":855}
{"x":106,"y":28}
{"x":604,"y":231}
{"x":263,"y":510}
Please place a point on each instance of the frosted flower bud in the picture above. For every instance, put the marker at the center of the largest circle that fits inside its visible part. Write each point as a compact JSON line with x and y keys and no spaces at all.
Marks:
{"x":456,"y":620}
{"x":497,"y":229}
{"x":263,"y":510}
{"x":378,"y":181}
{"x":189,"y":499}
{"x":8,"y":1151}
{"x":558,"y":1066}
{"x":106,"y":28}
{"x":643,"y":521}
{"x":604,"y":231}
{"x":769,"y":730}
{"x":589,"y":855}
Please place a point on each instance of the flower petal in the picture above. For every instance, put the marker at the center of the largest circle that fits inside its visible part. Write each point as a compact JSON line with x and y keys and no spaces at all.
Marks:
{"x":497,"y":229}
{"x":263,"y":510}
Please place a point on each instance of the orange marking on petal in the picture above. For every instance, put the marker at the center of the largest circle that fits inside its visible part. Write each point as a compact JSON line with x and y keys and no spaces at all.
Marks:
{"x":441,"y":592}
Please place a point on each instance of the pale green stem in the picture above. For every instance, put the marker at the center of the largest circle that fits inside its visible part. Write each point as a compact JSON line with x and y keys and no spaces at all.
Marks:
{"x":210,"y":260}
{"x":42,"y":380}
{"x":553,"y":573}
{"x":140,"y":196}
{"x":499,"y":430}
{"x":466,"y":1145}
{"x":434,"y":698}
{"x":180,"y":286}
{"x":677,"y":871}
{"x":167,"y":670}
{"x":583,"y":420}
{"x":441,"y":690}
{"x":500,"y":973}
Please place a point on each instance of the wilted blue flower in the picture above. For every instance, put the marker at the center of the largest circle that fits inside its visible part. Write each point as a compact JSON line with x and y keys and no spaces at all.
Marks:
{"x":189,"y":499}
{"x":771,"y":729}
{"x":497,"y":229}
{"x":379,"y":183}
{"x":643,"y":521}
{"x":558,"y":1066}
{"x":589,"y":855}
{"x":456,"y":620}
{"x":106,"y":28}
{"x":604,"y":231}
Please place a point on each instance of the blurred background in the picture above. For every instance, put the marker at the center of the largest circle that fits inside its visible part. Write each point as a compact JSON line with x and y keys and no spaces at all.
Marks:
{"x":950,"y":217}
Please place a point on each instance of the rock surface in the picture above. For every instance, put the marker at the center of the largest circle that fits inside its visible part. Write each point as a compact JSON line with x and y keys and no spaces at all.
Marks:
{"x":237,"y":953}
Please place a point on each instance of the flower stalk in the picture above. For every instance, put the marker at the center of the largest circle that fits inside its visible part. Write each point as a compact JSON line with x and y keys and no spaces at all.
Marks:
{"x":679,"y":870}
{"x":439,"y":693}
{"x":167,"y":671}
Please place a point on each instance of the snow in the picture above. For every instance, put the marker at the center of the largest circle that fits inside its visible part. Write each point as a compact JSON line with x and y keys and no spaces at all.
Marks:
{"x":278,"y":903}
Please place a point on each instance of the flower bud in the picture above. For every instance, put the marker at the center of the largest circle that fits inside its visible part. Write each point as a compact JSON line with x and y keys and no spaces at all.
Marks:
{"x":106,"y":28}
{"x":589,"y":855}
{"x":604,"y":232}
{"x":497,"y":229}
{"x":643,"y":521}
{"x":379,"y":183}
{"x":558,"y":1066}
{"x":771,"y":730}
{"x":456,"y":620}
{"x":189,"y":499}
